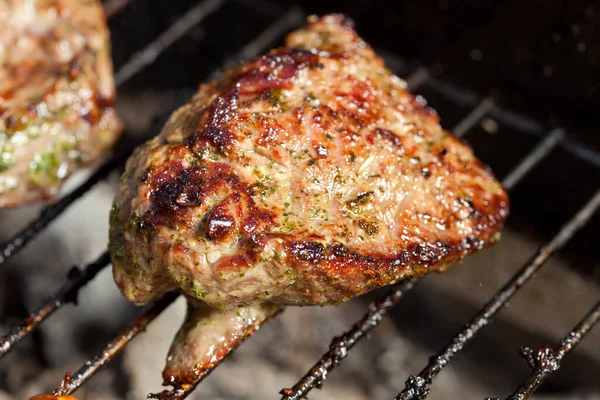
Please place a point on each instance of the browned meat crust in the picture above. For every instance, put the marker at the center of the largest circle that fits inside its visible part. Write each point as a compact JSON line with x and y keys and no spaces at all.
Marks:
{"x":207,"y":335}
{"x":308,"y":176}
{"x":56,"y":95}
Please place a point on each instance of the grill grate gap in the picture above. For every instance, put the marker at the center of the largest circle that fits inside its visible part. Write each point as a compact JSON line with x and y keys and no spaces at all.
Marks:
{"x":67,"y":293}
{"x":340,"y":346}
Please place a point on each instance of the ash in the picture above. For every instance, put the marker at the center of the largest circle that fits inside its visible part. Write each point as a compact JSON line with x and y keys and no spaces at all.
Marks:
{"x":285,"y":348}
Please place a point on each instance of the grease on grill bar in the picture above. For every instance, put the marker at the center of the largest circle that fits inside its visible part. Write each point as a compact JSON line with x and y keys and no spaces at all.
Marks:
{"x":545,"y":361}
{"x":416,"y":386}
{"x":66,"y":294}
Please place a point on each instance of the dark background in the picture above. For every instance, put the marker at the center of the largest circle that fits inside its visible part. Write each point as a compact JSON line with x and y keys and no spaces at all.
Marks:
{"x":540,"y":57}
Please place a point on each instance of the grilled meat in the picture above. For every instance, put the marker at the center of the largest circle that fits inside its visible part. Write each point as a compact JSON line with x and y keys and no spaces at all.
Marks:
{"x":56,"y":92}
{"x":307,"y":176}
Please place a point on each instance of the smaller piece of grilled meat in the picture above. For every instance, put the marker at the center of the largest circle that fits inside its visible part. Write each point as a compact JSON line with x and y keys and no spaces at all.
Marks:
{"x":308,"y":176}
{"x":56,"y":94}
{"x":207,"y":335}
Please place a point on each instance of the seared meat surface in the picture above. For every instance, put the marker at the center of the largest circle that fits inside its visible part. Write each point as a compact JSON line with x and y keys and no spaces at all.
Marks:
{"x":56,"y":93}
{"x":307,"y":176}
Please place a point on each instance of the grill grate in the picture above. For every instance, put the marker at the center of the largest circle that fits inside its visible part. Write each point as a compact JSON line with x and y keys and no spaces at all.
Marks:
{"x":544,"y":362}
{"x":74,"y":381}
{"x":416,"y":386}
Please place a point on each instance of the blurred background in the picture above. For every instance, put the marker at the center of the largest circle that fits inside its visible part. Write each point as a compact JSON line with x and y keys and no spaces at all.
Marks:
{"x":538,"y":58}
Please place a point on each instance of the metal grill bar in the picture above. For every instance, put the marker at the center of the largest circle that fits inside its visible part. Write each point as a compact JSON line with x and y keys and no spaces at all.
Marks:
{"x":417,"y":78}
{"x":416,"y":386}
{"x":524,"y":124}
{"x":458,"y":94}
{"x":292,"y":17}
{"x":147,"y":56}
{"x":112,"y":7}
{"x":341,"y":345}
{"x":478,"y":112}
{"x":135,"y":64}
{"x":66,"y":294}
{"x":542,"y":150}
{"x":546,"y":361}
{"x":536,"y":155}
{"x":516,"y":121}
{"x":75,"y":381}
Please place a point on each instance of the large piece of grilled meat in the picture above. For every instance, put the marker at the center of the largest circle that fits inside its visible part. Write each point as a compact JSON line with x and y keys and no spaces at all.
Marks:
{"x":306,"y":177}
{"x":56,"y":92}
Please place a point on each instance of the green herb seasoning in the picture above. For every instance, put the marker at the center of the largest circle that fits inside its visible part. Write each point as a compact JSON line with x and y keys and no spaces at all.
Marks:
{"x":7,"y":158}
{"x":369,"y":227}
{"x":197,"y":290}
{"x":44,"y":167}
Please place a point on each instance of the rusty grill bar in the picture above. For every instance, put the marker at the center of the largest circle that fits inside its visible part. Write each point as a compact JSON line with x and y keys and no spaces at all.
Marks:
{"x":544,"y":361}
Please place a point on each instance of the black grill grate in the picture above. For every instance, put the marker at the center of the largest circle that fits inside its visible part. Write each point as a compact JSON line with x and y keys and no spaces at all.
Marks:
{"x":544,"y":362}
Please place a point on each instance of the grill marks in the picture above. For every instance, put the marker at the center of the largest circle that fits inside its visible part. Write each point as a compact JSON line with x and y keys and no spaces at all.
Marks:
{"x":178,"y":193}
{"x":276,"y":70}
{"x":174,"y":188}
{"x":331,"y":266}
{"x":391,"y":136}
{"x":311,"y":252}
{"x":214,"y":129}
